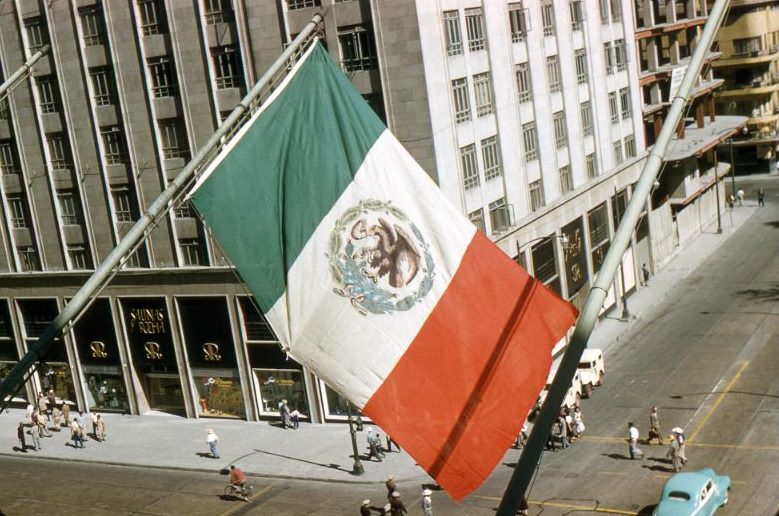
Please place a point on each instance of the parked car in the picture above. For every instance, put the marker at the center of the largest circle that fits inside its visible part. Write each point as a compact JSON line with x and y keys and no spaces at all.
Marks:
{"x":592,"y":370}
{"x":698,"y":493}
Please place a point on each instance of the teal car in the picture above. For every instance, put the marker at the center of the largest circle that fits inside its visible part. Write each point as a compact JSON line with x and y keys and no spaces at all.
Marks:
{"x":698,"y":493}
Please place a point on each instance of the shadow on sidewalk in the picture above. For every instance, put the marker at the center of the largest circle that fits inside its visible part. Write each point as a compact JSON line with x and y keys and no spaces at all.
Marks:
{"x":328,"y":466}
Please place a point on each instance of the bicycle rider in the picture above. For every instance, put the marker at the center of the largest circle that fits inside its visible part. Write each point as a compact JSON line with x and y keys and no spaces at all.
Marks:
{"x":237,"y":478}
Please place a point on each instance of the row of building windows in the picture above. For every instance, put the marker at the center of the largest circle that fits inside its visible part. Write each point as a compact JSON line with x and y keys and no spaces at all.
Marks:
{"x":611,"y":10}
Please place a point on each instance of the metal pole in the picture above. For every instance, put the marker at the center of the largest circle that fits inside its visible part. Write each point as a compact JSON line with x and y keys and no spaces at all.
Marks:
{"x":22,"y":71}
{"x":357,"y":468}
{"x":145,"y":224}
{"x":520,"y":480}
{"x":716,"y":190}
{"x":732,"y":172}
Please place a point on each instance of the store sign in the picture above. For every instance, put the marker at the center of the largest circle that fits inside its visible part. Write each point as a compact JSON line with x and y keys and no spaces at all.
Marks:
{"x":152,"y":351}
{"x":98,"y":349}
{"x":574,"y":257}
{"x":211,"y":352}
{"x":148,"y":321}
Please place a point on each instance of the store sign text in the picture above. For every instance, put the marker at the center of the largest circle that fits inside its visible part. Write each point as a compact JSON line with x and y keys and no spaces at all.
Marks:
{"x":149,"y":321}
{"x":98,"y":349}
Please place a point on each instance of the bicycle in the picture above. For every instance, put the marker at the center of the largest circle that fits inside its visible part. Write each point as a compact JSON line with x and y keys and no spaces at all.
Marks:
{"x":240,"y":492}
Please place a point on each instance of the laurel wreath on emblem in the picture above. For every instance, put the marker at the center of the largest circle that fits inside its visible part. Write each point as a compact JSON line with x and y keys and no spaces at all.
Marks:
{"x":392,"y":254}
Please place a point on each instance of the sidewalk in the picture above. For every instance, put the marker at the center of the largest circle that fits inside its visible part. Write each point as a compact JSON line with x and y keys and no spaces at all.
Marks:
{"x":313,"y":452}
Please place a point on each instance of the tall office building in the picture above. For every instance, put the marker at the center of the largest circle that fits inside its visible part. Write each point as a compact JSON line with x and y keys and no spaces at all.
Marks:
{"x":749,"y":42}
{"x":529,"y":116}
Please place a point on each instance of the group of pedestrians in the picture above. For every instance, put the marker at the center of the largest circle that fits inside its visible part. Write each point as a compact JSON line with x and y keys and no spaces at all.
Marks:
{"x":375,"y":446}
{"x":46,"y":412}
{"x":568,"y":428}
{"x":676,"y":449}
{"x":395,"y":505}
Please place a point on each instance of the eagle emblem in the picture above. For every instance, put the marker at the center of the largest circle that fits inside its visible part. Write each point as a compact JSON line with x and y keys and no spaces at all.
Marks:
{"x":379,"y":259}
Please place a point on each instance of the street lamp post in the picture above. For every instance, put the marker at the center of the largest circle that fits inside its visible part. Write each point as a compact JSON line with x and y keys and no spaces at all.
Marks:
{"x":732,"y":170}
{"x":357,"y":468}
{"x":716,"y":191}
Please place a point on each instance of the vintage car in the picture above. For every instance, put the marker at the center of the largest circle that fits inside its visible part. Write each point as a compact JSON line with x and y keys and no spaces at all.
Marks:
{"x":695,"y":493}
{"x":592,"y":369}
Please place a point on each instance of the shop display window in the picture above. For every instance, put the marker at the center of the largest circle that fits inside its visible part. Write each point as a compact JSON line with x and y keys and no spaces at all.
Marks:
{"x":335,"y":404}
{"x":219,"y":394}
{"x":105,"y":390}
{"x":57,"y":378}
{"x":278,"y":384}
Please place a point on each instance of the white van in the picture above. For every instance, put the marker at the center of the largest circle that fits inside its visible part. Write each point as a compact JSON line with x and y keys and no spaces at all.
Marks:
{"x":592,"y":369}
{"x":572,"y":396}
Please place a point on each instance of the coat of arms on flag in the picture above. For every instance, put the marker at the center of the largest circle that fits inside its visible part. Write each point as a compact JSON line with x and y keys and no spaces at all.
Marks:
{"x":375,"y":282}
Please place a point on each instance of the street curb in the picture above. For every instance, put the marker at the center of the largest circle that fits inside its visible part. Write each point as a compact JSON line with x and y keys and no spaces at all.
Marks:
{"x":207,"y":470}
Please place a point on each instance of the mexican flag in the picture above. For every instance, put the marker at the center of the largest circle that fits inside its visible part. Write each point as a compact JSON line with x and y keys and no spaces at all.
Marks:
{"x":375,"y":282}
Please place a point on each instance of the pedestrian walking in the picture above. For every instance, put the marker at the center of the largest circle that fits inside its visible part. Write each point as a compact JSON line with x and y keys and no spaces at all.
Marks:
{"x":30,"y":410}
{"x":391,"y":486}
{"x":76,"y":434}
{"x":761,"y":197}
{"x":42,"y":428}
{"x":35,"y":432}
{"x":645,"y":274}
{"x":286,"y":421}
{"x":374,"y":441}
{"x":365,"y":508}
{"x":295,"y":417}
{"x":20,"y":436}
{"x":66,"y":413}
{"x":82,"y":424}
{"x":654,"y":427}
{"x":57,"y":419}
{"x":563,"y":429}
{"x":673,"y":454}
{"x":43,"y":404}
{"x":387,"y":511}
{"x":678,"y":435}
{"x":212,"y":439}
{"x":100,"y":429}
{"x":578,"y":422}
{"x":740,"y":196}
{"x":51,"y":398}
{"x":93,"y":417}
{"x":635,"y":452}
{"x":427,"y":502}
{"x":397,"y":505}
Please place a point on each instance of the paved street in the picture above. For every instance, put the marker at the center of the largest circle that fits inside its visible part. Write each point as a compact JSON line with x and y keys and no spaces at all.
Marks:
{"x":703,"y":348}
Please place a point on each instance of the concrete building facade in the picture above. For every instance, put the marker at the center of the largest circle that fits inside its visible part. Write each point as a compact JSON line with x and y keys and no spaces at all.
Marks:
{"x":531,"y":117}
{"x":749,"y":42}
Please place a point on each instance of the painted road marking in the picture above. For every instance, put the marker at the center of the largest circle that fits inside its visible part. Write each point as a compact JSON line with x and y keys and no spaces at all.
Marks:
{"x":719,"y":400}
{"x":576,"y":507}
{"x":750,"y":447}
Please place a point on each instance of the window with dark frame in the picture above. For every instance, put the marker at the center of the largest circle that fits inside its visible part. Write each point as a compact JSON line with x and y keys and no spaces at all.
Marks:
{"x":227,"y":66}
{"x":536,"y":190}
{"x":47,"y":94}
{"x":217,"y":11}
{"x":566,"y":179}
{"x":524,"y":86}
{"x":358,"y":49}
{"x":59,"y":152}
{"x":92,"y":25}
{"x":163,"y":77}
{"x":28,"y":258}
{"x":153,"y":17}
{"x":102,"y":85}
{"x":8,"y":160}
{"x":68,"y":207}
{"x":585,"y":110}
{"x":174,"y":138}
{"x":113,"y":145}
{"x":37,"y":35}
{"x":470,"y":166}
{"x":191,"y":252}
{"x":530,"y":139}
{"x":19,"y":214}
{"x":500,"y":215}
{"x":477,"y":219}
{"x":124,"y":204}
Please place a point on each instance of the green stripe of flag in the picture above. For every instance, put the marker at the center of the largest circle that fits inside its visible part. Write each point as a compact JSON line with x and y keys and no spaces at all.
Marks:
{"x":269,"y":193}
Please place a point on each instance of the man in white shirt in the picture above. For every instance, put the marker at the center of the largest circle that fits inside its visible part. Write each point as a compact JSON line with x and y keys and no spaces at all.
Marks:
{"x":635,"y":453}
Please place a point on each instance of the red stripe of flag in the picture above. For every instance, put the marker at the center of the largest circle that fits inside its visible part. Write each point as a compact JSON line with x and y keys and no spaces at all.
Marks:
{"x":457,"y":398}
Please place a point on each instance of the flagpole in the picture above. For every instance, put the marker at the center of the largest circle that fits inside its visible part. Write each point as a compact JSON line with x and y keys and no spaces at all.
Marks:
{"x":22,"y":72}
{"x":107,"y":269}
{"x":520,"y":479}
